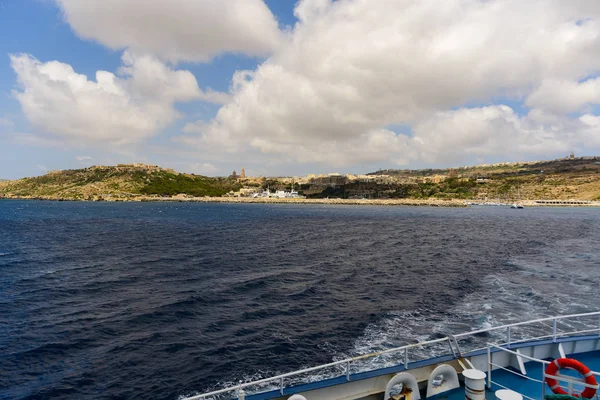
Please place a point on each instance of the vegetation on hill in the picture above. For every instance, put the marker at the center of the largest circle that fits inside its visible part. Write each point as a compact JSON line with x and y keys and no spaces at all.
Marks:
{"x":120,"y":182}
{"x":452,"y":188}
{"x":568,"y":178}
{"x":572,"y":178}
{"x":577,"y":178}
{"x":170,"y":184}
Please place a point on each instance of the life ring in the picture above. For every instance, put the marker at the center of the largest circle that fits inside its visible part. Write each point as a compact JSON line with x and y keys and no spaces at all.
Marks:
{"x":570,"y":363}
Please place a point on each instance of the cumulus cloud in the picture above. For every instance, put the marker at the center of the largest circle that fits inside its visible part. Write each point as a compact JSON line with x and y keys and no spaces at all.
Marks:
{"x":212,"y":96}
{"x":490,"y":131}
{"x":203,"y":168}
{"x":447,"y":137}
{"x":351,"y":69}
{"x":590,"y":131}
{"x":564,"y":96}
{"x":188,"y":30}
{"x":133,"y":105}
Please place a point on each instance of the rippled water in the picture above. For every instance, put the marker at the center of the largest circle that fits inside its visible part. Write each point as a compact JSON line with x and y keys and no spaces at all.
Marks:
{"x":160,"y":300}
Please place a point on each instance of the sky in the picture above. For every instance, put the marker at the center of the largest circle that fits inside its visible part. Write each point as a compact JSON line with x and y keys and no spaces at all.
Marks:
{"x":284,"y":87}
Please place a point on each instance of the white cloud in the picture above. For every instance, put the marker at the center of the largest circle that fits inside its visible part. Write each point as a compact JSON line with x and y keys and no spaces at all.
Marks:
{"x":352,"y":68}
{"x":215,"y":97}
{"x":126,"y":108}
{"x":189,"y":30}
{"x":590,"y":130}
{"x":490,"y":131}
{"x":449,"y":138}
{"x":84,"y":158}
{"x":564,"y":96}
{"x":369,"y":147}
{"x":203,"y":169}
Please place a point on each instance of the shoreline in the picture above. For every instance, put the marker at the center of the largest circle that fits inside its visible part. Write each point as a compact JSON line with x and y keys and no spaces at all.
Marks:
{"x":453,"y":203}
{"x":262,"y":200}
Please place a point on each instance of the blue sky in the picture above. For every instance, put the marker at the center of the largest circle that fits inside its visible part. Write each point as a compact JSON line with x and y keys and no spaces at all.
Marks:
{"x":338,"y":88}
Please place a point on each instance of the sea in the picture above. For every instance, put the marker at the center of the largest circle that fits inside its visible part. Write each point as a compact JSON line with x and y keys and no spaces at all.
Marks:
{"x":165,"y":300}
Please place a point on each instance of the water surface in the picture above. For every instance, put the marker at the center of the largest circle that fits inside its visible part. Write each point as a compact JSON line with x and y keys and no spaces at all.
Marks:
{"x":160,"y":300}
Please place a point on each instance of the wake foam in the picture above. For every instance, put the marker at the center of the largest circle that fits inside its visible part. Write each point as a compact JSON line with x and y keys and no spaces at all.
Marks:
{"x":557,"y":281}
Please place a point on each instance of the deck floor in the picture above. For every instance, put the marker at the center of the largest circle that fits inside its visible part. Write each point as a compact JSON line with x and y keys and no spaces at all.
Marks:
{"x":525,"y":386}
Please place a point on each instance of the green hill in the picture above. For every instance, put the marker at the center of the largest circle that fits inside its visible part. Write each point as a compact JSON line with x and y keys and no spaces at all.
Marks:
{"x":118,"y":182}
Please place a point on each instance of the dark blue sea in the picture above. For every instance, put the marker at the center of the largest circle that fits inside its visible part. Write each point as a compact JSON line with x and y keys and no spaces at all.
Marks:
{"x":162,"y":300}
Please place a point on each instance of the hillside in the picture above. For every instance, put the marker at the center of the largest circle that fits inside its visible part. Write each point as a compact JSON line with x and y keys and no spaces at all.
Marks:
{"x":118,"y":182}
{"x":568,"y":178}
{"x":563,"y":179}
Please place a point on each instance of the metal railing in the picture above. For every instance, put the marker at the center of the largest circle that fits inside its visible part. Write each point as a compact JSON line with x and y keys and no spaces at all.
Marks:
{"x":509,"y":329}
{"x":455,"y":351}
{"x":561,"y":378}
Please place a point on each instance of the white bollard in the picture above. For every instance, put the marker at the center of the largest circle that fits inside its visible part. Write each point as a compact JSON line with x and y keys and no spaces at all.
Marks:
{"x":505,"y":394}
{"x":297,"y":397}
{"x":474,"y":384}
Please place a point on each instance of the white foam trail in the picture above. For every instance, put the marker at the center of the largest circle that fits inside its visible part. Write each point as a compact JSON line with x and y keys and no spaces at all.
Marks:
{"x":535,"y":290}
{"x":567,"y":284}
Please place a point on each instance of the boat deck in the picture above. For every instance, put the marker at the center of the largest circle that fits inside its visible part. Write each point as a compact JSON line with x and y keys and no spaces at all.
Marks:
{"x":517,"y":383}
{"x":525,"y":386}
{"x":567,"y":334}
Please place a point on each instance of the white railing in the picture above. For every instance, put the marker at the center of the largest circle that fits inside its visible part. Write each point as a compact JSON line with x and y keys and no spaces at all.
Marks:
{"x":452,"y":342}
{"x":560,"y":378}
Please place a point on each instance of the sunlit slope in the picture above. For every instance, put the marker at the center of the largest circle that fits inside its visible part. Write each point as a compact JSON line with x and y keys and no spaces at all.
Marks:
{"x":121,"y":181}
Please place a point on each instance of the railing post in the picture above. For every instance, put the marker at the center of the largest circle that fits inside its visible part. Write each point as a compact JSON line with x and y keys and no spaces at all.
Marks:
{"x":348,"y":370}
{"x":570,"y":388}
{"x":451,"y":348}
{"x":489,"y":375}
{"x":554,"y":330}
{"x":406,"y":358}
{"x":543,"y":382}
{"x":281,"y":385}
{"x":241,"y":395}
{"x":508,"y":336}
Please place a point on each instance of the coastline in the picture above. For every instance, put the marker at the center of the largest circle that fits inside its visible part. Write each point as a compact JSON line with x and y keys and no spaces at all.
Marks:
{"x":263,"y":200}
{"x":451,"y":203}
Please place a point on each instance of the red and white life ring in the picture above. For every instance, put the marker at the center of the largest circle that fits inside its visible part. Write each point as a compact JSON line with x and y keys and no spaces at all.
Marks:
{"x":570,"y":363}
